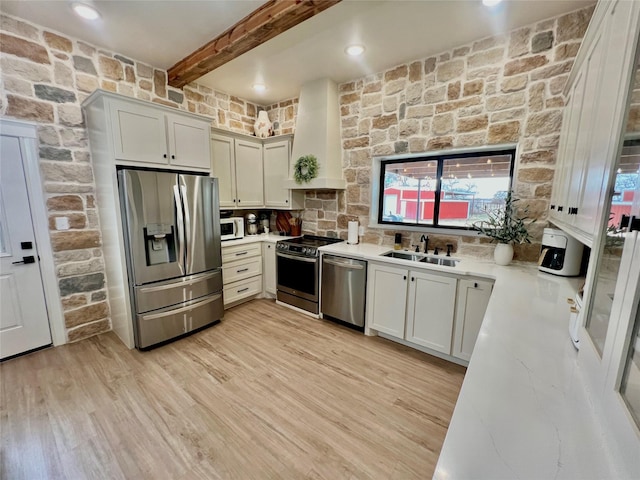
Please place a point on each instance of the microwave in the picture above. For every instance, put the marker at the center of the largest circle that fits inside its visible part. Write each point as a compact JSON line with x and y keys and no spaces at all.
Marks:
{"x":231,"y":228}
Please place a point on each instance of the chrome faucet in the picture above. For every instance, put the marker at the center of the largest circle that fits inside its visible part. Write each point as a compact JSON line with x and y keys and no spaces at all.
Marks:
{"x":426,"y":242}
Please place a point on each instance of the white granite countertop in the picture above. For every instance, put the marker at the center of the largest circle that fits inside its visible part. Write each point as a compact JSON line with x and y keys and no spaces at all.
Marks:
{"x":523,"y":410}
{"x":263,"y":237}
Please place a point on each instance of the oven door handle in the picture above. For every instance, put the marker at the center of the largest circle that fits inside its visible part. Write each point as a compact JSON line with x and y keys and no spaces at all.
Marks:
{"x":296,"y":257}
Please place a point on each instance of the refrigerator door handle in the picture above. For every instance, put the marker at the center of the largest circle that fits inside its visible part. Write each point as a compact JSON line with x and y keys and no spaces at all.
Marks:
{"x":187,"y":225}
{"x":180,"y":224}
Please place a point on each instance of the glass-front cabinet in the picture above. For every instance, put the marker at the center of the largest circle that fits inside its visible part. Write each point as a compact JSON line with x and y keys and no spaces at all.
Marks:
{"x":610,"y":340}
{"x":630,"y":385}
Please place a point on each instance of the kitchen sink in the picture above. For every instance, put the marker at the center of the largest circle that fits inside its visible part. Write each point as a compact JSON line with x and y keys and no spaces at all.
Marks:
{"x":404,"y":255}
{"x":419,"y":257}
{"x":444,"y":261}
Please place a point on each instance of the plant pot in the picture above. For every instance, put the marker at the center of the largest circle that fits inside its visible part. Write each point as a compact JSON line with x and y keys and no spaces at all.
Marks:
{"x":503,"y":254}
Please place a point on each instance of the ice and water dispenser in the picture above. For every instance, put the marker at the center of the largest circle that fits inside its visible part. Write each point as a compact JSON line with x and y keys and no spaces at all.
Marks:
{"x":160,"y":243}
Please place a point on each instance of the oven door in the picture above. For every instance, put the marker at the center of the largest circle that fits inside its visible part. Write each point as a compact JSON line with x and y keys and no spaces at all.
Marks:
{"x":297,"y":275}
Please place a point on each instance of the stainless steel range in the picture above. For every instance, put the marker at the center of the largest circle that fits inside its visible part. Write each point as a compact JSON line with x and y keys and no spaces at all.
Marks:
{"x":298,"y":271}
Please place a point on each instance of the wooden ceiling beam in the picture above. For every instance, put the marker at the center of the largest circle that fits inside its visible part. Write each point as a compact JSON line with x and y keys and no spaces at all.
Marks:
{"x":261,"y":25}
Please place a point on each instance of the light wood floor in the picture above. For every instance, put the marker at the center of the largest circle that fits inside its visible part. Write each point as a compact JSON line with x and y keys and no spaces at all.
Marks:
{"x":268,"y":393}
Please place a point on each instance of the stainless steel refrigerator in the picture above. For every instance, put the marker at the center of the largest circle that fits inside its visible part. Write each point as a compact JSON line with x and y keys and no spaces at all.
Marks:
{"x":174,"y":261}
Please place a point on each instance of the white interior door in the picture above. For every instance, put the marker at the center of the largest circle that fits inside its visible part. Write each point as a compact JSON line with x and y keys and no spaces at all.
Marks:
{"x":24,"y":324}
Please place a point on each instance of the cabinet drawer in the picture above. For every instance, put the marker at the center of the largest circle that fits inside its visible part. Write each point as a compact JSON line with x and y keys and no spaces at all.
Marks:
{"x":244,"y":288}
{"x":241,"y":269}
{"x":239,"y":252}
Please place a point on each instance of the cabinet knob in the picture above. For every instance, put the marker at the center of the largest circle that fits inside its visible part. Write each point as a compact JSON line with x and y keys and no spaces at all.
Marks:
{"x":173,"y":157}
{"x":475,"y":284}
{"x":404,"y":277}
{"x":412,"y":279}
{"x":286,"y":201}
{"x":165,"y":155}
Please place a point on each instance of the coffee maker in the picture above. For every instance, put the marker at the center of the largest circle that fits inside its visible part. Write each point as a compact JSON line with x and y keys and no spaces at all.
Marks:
{"x":561,"y":254}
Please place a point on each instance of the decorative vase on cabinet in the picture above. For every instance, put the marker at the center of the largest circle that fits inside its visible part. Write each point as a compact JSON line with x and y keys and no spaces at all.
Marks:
{"x":503,"y":254}
{"x":262,"y":127}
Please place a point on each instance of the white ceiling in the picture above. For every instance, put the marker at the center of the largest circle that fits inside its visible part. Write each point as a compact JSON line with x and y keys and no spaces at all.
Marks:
{"x":161,"y":33}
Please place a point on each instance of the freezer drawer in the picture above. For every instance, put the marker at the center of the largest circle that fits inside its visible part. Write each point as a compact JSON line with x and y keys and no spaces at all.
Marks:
{"x":173,"y":292}
{"x":159,"y":326}
{"x":343,"y":289}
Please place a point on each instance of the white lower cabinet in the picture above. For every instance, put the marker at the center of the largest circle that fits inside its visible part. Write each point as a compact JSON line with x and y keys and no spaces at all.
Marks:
{"x":387,"y":299}
{"x":241,"y":272}
{"x":269,"y":267}
{"x":430,"y":309}
{"x":440,"y":312}
{"x":473,"y":298}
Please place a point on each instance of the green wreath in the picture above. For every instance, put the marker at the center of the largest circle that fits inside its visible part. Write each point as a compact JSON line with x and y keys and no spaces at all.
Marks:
{"x":305,"y":169}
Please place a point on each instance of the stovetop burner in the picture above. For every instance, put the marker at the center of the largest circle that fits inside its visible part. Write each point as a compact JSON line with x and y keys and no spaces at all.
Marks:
{"x":306,"y":245}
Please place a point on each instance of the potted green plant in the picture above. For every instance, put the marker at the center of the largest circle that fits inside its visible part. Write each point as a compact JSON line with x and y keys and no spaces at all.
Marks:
{"x":504,"y":226}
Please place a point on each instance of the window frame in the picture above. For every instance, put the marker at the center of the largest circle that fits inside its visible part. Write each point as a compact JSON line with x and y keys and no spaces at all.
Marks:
{"x":377,"y":185}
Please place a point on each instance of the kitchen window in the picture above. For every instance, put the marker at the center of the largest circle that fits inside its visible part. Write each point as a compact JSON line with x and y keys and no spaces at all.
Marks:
{"x":449,"y":190}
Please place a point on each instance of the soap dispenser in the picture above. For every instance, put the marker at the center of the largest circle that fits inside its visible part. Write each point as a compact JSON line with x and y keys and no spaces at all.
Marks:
{"x":397,"y":245}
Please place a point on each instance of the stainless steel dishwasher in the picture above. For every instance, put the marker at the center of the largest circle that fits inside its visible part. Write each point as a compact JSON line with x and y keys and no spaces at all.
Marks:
{"x":343,"y":292}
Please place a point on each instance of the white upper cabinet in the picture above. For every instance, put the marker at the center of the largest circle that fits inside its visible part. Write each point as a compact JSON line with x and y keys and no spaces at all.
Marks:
{"x":144,"y":134}
{"x":249,"y":173}
{"x":591,"y":120}
{"x":252,"y":171}
{"x":188,"y":142}
{"x":139,"y":133}
{"x":223,"y":167}
{"x":277,"y":159}
{"x":237,"y":164}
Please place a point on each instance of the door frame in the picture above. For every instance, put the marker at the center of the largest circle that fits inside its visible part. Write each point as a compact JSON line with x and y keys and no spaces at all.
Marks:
{"x":27,"y":134}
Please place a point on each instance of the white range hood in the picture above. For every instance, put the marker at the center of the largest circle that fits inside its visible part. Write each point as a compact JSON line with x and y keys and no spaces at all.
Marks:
{"x":317,"y":133}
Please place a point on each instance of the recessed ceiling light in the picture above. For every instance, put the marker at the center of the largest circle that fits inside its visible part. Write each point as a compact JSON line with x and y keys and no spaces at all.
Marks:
{"x":354,"y":50}
{"x":491,"y":3}
{"x":259,"y":87}
{"x":85,"y":11}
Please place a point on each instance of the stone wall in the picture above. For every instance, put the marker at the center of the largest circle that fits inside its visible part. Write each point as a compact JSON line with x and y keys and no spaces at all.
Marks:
{"x":45,"y":78}
{"x":494,"y":90}
{"x":502,"y":89}
{"x":283,"y":116}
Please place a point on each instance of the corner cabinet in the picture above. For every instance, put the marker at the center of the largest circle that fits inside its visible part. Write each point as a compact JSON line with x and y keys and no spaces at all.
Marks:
{"x":472,"y":300}
{"x":145,"y":134}
{"x":252,"y":171}
{"x":237,"y":163}
{"x":277,"y":165}
{"x":592,"y":117}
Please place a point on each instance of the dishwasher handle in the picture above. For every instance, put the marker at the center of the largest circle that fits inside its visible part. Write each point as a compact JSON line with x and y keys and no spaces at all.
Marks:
{"x":351,"y":266}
